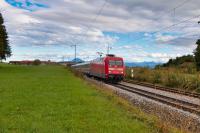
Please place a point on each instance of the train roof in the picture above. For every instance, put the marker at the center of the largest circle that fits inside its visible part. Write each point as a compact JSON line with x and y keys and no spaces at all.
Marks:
{"x":81,"y":64}
{"x":110,"y":56}
{"x":97,"y":59}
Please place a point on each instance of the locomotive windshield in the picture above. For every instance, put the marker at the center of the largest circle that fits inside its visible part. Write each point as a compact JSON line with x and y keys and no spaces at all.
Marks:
{"x":119,"y":63}
{"x":115,"y":63}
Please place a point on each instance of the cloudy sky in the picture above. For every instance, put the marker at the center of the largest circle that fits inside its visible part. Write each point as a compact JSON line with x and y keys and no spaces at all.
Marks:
{"x":138,"y":30}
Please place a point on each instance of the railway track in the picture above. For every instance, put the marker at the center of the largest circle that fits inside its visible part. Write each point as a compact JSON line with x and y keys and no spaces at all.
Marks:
{"x":180,"y":104}
{"x":186,"y":93}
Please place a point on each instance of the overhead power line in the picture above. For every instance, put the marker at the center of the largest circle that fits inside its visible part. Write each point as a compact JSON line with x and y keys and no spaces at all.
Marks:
{"x":180,"y":22}
{"x":170,"y":10}
{"x":193,"y":36}
{"x":96,"y":17}
{"x":93,"y":20}
{"x":182,"y":4}
{"x":168,"y":27}
{"x":190,"y":36}
{"x":174,"y":9}
{"x":101,"y":10}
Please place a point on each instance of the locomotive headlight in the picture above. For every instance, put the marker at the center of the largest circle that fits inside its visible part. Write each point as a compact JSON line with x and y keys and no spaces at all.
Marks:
{"x":109,"y":71}
{"x":122,"y":72}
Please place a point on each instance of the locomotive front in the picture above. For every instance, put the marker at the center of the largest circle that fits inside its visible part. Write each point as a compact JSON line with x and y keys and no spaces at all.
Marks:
{"x":115,"y":68}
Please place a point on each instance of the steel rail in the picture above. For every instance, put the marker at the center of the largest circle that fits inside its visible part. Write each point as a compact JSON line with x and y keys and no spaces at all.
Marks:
{"x":173,"y":90}
{"x":183,"y":105}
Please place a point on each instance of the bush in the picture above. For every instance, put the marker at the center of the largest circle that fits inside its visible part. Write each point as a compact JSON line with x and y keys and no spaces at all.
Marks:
{"x":173,"y":80}
{"x":156,"y":77}
{"x":194,"y":83}
{"x":142,"y":74}
{"x":182,"y":78}
{"x":179,"y":60}
{"x":36,"y":62}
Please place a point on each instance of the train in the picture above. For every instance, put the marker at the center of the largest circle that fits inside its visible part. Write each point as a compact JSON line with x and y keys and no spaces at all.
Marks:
{"x":109,"y":68}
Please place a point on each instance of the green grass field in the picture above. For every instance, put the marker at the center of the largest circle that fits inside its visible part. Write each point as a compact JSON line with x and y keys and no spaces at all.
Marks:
{"x":50,"y":99}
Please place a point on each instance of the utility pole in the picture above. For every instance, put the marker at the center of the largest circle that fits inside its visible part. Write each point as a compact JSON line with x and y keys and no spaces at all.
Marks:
{"x":63,"y":58}
{"x":108,"y":48}
{"x":74,"y":51}
{"x":199,"y":23}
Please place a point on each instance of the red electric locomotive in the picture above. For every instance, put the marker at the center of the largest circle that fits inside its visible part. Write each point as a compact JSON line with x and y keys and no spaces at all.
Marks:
{"x":109,"y":68}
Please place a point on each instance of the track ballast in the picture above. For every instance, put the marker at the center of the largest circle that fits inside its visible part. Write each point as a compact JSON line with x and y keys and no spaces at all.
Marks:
{"x":180,"y":104}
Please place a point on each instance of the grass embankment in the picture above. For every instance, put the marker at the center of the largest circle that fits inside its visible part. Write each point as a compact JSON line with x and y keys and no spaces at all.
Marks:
{"x":50,"y":99}
{"x":184,"y":78}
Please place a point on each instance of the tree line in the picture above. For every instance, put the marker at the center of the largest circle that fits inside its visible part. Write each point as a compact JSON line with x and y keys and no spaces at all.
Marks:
{"x":195,"y":58}
{"x":179,"y":60}
{"x":197,"y":55}
{"x":5,"y":50}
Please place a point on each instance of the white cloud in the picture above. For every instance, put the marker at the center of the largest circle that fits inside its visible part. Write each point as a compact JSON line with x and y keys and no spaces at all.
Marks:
{"x":66,"y":22}
{"x":164,"y":38}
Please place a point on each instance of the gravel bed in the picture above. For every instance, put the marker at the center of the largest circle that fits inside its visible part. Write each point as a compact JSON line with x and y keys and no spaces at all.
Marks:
{"x":168,"y":94}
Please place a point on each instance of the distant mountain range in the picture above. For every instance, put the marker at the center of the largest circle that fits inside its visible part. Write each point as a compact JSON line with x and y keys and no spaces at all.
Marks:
{"x":128,"y":64}
{"x":77,"y":60}
{"x":142,"y":64}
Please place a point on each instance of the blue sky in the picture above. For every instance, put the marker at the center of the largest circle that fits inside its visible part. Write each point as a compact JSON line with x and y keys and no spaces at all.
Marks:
{"x":41,"y":29}
{"x":29,"y":5}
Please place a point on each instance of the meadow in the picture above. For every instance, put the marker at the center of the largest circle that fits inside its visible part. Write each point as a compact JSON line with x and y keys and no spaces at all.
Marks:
{"x":49,"y":99}
{"x":184,"y":77}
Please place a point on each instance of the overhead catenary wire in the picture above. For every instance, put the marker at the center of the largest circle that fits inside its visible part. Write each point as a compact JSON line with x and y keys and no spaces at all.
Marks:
{"x":182,"y":4}
{"x":93,"y":20}
{"x":104,"y":4}
{"x":178,"y":23}
{"x":168,"y":11}
{"x":186,"y":35}
{"x":96,"y":17}
{"x":101,"y":10}
{"x":174,"y":9}
{"x":170,"y":26}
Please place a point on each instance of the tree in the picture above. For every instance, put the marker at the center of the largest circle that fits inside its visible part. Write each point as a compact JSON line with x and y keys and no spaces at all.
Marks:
{"x":197,"y":54}
{"x":179,"y":61}
{"x":5,"y":50}
{"x":36,"y":62}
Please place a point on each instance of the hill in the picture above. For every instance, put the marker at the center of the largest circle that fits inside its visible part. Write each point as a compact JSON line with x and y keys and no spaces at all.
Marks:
{"x":179,"y":61}
{"x":77,"y":60}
